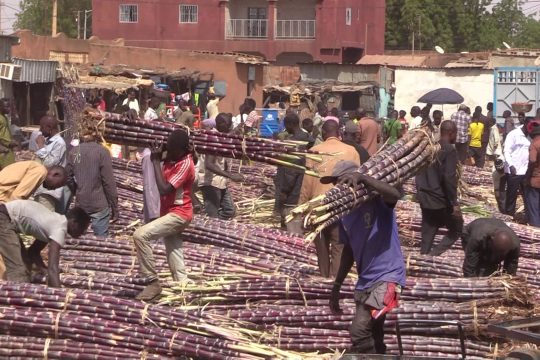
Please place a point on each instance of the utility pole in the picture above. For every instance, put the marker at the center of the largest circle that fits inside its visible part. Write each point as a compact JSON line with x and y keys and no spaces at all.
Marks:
{"x":420,"y":32}
{"x":85,"y":24}
{"x":54,"y":16}
{"x":78,"y":24}
{"x":413,"y":35}
{"x":86,"y":21}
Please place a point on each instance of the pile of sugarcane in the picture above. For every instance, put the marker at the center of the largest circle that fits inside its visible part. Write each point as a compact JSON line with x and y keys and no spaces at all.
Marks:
{"x":393,"y":165}
{"x":118,"y":129}
{"x":101,"y":323}
{"x":271,"y":291}
{"x":473,"y":175}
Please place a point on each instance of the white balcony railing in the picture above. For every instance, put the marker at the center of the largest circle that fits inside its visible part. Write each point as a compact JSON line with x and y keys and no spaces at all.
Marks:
{"x":247,"y":28}
{"x":295,"y":29}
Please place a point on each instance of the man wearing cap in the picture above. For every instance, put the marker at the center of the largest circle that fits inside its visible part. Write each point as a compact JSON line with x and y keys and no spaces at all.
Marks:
{"x":488,"y":243}
{"x":437,"y":193}
{"x":369,"y":134}
{"x":327,"y":244}
{"x":462,"y":119}
{"x":350,"y":137}
{"x":370,"y":239}
{"x":532,"y":187}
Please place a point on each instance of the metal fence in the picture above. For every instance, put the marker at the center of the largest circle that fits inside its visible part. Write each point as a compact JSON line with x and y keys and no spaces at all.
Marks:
{"x":295,"y":29}
{"x":247,"y":28}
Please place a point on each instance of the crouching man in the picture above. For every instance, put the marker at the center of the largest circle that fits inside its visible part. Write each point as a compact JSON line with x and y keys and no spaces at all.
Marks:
{"x":31,"y":218}
{"x":370,"y":238}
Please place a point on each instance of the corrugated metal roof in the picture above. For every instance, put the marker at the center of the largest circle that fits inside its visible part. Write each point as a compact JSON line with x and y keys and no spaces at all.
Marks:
{"x":393,"y":60}
{"x":37,"y":71}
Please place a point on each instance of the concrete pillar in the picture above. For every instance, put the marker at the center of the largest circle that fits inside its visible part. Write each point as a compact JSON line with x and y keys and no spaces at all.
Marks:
{"x":224,"y":17}
{"x":272,"y":18}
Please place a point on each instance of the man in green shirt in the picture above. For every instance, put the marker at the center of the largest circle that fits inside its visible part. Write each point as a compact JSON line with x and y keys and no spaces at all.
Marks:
{"x":7,"y":144}
{"x":392,"y":128}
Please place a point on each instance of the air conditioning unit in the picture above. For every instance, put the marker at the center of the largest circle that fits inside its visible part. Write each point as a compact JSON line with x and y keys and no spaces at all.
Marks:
{"x":10,"y":72}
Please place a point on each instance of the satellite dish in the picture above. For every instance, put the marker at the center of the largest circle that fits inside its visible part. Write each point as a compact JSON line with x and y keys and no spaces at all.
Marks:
{"x":506,"y":45}
{"x":439,"y":49}
{"x":537,"y":61}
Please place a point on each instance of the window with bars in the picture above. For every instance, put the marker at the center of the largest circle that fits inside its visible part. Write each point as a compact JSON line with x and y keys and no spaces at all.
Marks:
{"x":189,"y":14}
{"x":129,"y":13}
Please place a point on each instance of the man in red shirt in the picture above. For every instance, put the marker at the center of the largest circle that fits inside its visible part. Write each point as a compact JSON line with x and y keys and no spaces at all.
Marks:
{"x":174,"y":181}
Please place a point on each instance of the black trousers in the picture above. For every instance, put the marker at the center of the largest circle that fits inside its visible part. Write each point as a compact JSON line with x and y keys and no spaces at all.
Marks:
{"x":432,"y":220}
{"x":478,"y":156}
{"x":462,"y":151}
{"x":514,"y":183}
{"x":367,"y":334}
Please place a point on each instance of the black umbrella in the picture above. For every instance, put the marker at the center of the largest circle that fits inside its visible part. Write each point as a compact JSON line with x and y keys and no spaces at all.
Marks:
{"x":441,"y":96}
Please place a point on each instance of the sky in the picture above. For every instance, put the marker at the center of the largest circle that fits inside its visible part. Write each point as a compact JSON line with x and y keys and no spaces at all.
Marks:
{"x":8,"y":9}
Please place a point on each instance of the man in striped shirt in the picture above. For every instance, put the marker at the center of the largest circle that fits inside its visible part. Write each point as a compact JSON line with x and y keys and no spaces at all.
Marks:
{"x":462,"y":119}
{"x":174,"y":181}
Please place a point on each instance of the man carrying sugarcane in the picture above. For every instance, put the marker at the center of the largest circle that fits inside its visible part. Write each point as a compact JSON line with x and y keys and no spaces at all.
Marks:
{"x":370,"y":238}
{"x":436,"y":189}
{"x":218,"y":201}
{"x":31,"y":218}
{"x":288,"y":181}
{"x":174,"y":180}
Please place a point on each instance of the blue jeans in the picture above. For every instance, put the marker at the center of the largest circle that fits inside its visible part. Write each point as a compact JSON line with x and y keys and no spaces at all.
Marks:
{"x":532,"y":205}
{"x":100,"y":222}
{"x":218,"y":203}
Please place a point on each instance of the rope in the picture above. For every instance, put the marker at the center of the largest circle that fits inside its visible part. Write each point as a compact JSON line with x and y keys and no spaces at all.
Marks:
{"x":144,"y":354}
{"x":246,"y":233}
{"x":475,"y":318}
{"x":69,"y":296}
{"x":171,"y":342}
{"x":90,"y":282}
{"x":144,"y":313}
{"x":56,"y":323}
{"x":408,"y":262}
{"x":287,"y":288}
{"x":397,"y":170}
{"x":46,"y":348}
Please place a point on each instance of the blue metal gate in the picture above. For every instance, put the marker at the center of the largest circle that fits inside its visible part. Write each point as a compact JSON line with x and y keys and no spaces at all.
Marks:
{"x":515,"y":84}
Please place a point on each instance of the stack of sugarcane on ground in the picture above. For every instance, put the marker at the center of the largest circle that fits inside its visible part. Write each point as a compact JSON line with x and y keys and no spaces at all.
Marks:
{"x":245,"y":285}
{"x":394,"y":165}
{"x":118,"y":129}
{"x":255,"y":292}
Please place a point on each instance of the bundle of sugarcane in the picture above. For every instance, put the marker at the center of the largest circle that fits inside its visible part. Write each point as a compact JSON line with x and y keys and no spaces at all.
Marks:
{"x":393,"y":165}
{"x":195,"y":340}
{"x":29,"y":347}
{"x":473,"y":175}
{"x":118,"y":129}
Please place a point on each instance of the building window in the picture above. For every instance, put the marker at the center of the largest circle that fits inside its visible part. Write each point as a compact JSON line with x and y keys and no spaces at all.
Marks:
{"x":348,"y":16}
{"x":189,"y":14}
{"x":129,"y":13}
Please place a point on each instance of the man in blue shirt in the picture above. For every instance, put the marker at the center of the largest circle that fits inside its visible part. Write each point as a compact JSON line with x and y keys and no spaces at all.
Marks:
{"x":370,"y":238}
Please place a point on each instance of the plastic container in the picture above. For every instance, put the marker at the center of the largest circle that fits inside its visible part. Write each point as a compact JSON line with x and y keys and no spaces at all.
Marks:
{"x":269,"y":123}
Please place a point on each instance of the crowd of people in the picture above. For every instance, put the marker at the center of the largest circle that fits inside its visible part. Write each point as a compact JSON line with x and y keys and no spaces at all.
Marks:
{"x":173,"y":173}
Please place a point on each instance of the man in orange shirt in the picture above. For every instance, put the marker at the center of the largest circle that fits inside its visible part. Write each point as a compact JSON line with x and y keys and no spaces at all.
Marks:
{"x":369,"y":133}
{"x":327,"y":244}
{"x":19,"y":180}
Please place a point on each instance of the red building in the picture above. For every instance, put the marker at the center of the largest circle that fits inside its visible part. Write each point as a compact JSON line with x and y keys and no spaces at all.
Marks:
{"x":284,"y":31}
